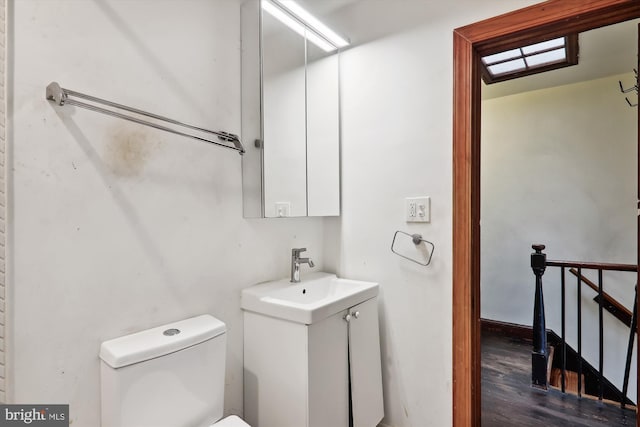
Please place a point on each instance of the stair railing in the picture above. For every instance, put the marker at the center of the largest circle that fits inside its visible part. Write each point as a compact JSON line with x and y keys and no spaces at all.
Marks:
{"x":539,"y":356}
{"x":632,"y":335}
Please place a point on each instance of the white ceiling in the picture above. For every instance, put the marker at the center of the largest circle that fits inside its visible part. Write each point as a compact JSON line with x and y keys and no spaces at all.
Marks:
{"x":604,"y":52}
{"x":324,"y":7}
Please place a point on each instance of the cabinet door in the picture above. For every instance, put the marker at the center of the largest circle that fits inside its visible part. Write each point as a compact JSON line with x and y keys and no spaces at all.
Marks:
{"x":364,"y":361}
{"x":328,"y":402}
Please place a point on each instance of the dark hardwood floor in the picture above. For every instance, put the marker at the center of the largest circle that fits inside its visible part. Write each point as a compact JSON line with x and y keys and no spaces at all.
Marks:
{"x":509,"y":400}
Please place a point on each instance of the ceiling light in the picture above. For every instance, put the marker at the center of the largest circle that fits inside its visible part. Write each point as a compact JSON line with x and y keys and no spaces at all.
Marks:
{"x":313,"y":22}
{"x":302,"y":22}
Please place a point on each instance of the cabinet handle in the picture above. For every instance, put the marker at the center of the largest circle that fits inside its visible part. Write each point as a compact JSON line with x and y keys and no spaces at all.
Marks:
{"x":356,"y":314}
{"x":347,"y":317}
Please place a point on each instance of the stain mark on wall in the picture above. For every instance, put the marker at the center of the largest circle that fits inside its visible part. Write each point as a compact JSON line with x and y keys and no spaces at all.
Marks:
{"x":128,"y":151}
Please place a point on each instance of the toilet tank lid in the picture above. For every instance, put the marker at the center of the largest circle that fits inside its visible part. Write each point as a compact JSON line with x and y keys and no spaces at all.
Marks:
{"x":156,"y":342}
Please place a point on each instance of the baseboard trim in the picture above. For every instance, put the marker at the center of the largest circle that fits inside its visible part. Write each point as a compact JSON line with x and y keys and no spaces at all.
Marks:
{"x":507,"y":329}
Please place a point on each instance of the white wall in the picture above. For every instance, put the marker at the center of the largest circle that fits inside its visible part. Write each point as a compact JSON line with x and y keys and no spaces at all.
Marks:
{"x":396,"y":143}
{"x":117,"y":227}
{"x":559,"y":168}
{"x":3,"y":197}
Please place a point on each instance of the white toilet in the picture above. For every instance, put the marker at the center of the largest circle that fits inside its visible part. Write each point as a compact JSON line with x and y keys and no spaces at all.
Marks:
{"x":169,"y":376}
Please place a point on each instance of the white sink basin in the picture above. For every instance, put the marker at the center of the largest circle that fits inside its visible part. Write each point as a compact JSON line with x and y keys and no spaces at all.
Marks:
{"x":316,"y":297}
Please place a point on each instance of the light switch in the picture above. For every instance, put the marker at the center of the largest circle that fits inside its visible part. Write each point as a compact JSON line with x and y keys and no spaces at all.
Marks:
{"x":418,"y":209}
{"x":283,"y":209}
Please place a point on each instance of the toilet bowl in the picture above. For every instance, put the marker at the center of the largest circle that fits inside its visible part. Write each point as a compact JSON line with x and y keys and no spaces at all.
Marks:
{"x":168,"y":376}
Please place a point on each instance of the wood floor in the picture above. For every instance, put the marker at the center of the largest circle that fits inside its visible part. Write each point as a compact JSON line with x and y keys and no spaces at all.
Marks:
{"x":509,"y":400}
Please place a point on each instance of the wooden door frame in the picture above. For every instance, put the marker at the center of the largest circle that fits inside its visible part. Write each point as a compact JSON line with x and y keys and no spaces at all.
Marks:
{"x":550,"y":19}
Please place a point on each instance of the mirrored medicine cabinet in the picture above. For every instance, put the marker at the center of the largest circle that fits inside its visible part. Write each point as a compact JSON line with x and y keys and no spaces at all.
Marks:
{"x":290,"y":114}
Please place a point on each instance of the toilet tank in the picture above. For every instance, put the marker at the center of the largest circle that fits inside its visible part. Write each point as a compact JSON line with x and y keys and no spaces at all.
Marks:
{"x":172,"y":375}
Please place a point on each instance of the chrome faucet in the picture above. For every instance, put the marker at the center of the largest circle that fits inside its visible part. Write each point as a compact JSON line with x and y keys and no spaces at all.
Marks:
{"x":295,"y":263}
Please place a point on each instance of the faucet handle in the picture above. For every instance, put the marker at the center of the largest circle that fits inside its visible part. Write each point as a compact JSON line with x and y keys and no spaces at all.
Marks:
{"x":297,"y":251}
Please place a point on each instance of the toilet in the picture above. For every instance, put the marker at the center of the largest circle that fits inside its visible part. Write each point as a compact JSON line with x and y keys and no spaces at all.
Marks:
{"x":169,"y":376}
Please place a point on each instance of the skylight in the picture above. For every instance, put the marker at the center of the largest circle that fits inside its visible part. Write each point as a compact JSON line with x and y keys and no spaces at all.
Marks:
{"x":532,"y":59}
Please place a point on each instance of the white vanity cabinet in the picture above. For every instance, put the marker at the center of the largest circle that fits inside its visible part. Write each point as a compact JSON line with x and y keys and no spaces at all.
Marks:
{"x":299,"y":375}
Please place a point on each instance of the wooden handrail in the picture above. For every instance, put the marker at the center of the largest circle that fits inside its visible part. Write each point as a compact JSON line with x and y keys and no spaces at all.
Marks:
{"x":608,"y":299}
{"x":593,"y":265}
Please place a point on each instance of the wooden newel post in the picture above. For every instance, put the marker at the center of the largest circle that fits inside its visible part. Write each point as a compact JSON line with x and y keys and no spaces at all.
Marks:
{"x":539,"y":355}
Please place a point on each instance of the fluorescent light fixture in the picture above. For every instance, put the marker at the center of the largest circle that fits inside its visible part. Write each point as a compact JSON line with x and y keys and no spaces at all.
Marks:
{"x":296,"y":26}
{"x":314,"y":23}
{"x":302,"y":22}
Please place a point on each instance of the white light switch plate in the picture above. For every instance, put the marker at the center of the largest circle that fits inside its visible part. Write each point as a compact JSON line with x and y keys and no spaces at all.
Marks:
{"x":418,"y":209}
